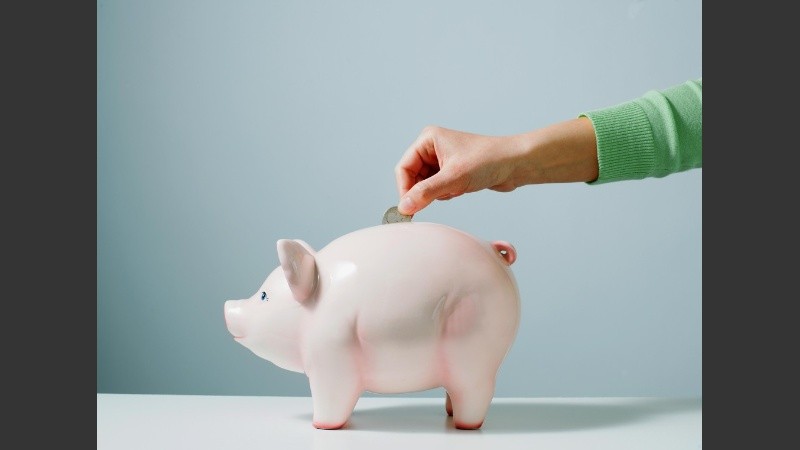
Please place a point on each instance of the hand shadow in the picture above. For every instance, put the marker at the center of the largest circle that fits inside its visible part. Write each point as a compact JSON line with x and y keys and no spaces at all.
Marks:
{"x":520,"y":416}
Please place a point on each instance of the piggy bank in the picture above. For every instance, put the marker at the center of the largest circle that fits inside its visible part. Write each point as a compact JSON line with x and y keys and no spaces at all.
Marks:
{"x":394,"y":308}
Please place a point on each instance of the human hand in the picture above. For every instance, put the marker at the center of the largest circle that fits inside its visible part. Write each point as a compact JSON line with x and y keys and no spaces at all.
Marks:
{"x":442,"y":164}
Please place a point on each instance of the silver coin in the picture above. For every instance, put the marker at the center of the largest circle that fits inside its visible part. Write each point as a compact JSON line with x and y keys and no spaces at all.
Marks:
{"x":392,"y":215}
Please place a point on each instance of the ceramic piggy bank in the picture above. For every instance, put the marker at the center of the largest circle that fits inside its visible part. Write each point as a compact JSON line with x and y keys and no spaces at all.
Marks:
{"x":394,"y":308}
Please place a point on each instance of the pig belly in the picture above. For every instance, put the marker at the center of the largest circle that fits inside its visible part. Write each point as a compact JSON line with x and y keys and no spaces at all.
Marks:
{"x":401,"y":366}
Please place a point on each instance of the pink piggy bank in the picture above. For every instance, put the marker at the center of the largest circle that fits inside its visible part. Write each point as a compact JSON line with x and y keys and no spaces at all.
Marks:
{"x":393,"y":308}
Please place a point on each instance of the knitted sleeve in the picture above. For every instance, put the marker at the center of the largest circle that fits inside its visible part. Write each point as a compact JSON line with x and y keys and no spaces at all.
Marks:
{"x":658,"y":134}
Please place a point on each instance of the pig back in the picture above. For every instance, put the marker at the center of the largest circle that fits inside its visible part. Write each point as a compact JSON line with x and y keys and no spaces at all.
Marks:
{"x":411,"y":281}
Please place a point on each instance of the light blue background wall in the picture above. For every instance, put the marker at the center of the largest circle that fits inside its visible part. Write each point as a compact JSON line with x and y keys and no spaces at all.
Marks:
{"x":223,"y":126}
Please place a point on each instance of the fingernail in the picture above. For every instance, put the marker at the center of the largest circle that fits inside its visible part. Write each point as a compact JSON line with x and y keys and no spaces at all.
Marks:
{"x":406,"y":206}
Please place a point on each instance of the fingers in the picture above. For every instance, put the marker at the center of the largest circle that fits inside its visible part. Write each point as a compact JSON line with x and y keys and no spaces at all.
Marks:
{"x":448,"y":196}
{"x":418,"y":162}
{"x":425,"y":173}
{"x":420,"y":195}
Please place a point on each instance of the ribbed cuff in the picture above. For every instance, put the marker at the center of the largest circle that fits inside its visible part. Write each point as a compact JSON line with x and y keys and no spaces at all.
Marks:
{"x":625,"y":145}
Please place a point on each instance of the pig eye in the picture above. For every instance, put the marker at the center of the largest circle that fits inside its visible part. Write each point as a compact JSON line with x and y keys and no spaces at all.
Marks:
{"x":264,"y":296}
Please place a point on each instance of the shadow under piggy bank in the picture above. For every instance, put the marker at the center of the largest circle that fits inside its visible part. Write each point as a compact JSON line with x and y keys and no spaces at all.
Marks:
{"x":521,"y":415}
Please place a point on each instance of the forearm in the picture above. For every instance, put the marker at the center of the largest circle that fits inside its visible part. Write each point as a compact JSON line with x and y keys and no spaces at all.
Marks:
{"x":560,"y":153}
{"x":655,"y":135}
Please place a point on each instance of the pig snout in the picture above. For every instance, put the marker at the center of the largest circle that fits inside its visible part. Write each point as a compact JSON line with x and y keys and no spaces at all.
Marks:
{"x":234,"y":318}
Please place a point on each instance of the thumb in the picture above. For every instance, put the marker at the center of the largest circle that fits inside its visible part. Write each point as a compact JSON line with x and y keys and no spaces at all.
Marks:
{"x":423,"y":193}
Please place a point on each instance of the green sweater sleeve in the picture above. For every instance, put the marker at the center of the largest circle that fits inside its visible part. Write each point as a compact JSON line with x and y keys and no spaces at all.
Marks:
{"x":656,"y":135}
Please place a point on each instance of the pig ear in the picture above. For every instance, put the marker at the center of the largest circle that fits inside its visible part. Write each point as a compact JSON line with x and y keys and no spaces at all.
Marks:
{"x":299,"y":267}
{"x":306,"y":246}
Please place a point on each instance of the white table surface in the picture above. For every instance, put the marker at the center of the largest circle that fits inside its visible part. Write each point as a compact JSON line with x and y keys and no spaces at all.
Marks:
{"x":126,"y":421}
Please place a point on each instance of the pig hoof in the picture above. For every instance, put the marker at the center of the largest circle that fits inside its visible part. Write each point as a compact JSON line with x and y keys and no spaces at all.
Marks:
{"x":468,"y":426}
{"x":328,"y":426}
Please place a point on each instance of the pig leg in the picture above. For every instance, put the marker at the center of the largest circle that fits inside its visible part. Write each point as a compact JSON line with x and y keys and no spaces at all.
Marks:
{"x":469,"y":362}
{"x":448,"y":404}
{"x":335,"y":383}
{"x":470,"y":403}
{"x":333,"y":401}
{"x":469,"y":384}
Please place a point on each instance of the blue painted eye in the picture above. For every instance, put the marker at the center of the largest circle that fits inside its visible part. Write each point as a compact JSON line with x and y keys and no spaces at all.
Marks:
{"x":264,"y":296}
